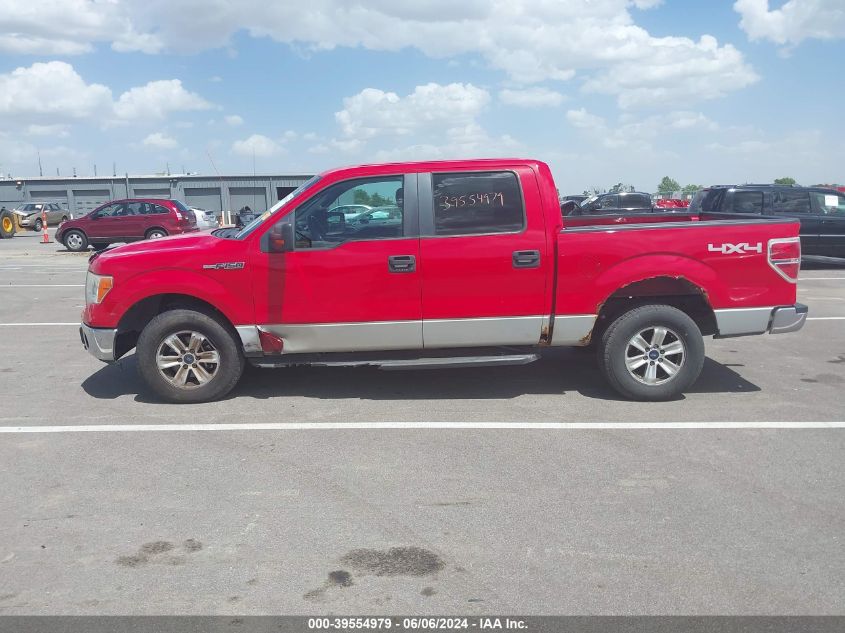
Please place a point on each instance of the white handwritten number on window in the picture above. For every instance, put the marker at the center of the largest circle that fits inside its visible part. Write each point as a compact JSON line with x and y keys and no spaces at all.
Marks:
{"x":492,"y":199}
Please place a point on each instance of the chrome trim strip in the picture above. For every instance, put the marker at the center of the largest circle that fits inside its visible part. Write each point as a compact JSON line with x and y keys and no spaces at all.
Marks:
{"x":739,"y":321}
{"x":348,"y":337}
{"x":790,"y":319}
{"x":672,"y":225}
{"x":99,"y":342}
{"x":480,"y":332}
{"x":572,"y":329}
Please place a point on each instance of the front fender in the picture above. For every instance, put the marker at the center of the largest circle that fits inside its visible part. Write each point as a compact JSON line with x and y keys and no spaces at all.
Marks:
{"x":232,"y":295}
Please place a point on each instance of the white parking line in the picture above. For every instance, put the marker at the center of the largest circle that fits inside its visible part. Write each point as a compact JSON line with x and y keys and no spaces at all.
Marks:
{"x":39,"y":324}
{"x":43,"y":286}
{"x":342,"y":426}
{"x":838,"y":318}
{"x":821,"y":278}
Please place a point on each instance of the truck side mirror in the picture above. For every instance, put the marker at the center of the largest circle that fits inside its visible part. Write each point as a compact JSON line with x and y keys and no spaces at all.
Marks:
{"x":280,"y":238}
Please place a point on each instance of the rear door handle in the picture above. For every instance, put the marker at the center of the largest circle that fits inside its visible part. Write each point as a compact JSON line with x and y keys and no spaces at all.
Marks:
{"x":401,"y":263}
{"x":526,"y":259}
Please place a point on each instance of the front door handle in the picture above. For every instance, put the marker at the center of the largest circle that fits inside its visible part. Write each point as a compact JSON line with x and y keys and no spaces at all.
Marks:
{"x":401,"y":263}
{"x":526,"y":259}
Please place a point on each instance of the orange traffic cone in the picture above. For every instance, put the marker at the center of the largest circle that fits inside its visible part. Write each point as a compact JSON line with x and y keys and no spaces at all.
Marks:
{"x":45,"y":237}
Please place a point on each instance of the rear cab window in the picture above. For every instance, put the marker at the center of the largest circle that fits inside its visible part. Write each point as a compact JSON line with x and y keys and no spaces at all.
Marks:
{"x":477,"y":203}
{"x":706,"y":201}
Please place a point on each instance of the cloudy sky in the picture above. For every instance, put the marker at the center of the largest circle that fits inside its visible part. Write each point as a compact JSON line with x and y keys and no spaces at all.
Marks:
{"x":704,"y":91}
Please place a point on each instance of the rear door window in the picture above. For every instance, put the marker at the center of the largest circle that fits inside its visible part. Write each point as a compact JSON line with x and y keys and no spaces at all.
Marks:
{"x":476,"y":203}
{"x":791,"y":202}
{"x":747,"y":202}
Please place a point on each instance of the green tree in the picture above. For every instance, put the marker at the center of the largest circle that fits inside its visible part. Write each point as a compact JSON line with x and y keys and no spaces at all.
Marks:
{"x":594,"y":191}
{"x":359,"y":196}
{"x":620,"y":187}
{"x":668,"y":186}
{"x":785,"y":181}
{"x":689,"y":190}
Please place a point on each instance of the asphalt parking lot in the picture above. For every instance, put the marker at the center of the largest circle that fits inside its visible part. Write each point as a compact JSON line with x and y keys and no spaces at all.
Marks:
{"x":432,"y":519}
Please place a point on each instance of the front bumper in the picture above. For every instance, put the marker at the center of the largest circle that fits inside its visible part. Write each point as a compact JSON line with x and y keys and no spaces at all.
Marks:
{"x":772,"y":319}
{"x":98,"y":341}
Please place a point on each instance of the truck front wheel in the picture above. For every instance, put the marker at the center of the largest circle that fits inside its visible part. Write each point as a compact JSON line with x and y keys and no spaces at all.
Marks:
{"x":652,"y":352}
{"x":189,"y":356}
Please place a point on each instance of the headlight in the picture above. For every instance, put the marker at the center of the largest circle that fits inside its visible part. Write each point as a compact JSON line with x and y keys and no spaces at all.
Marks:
{"x":97,"y":287}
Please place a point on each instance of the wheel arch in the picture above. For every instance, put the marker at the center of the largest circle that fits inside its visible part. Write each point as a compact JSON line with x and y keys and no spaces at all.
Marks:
{"x":672,"y":290}
{"x":136,"y":318}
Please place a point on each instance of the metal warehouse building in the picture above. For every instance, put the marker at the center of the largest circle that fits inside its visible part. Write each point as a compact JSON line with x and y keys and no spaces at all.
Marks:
{"x":219,"y":193}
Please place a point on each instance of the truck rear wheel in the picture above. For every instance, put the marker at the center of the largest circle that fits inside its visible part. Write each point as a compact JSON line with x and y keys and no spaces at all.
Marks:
{"x":653,"y":352}
{"x":7,"y":224}
{"x":189,"y":356}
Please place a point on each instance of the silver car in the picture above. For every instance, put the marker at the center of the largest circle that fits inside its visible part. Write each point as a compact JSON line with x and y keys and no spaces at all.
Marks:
{"x":205,"y":219}
{"x":31,"y":218}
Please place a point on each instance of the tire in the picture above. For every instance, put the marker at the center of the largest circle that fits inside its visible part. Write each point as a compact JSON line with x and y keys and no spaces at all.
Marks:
{"x":38,"y":225}
{"x":664,"y":374}
{"x":211,"y":336}
{"x":75,"y":241}
{"x":154,"y":234}
{"x":7,"y":225}
{"x":99,"y":246}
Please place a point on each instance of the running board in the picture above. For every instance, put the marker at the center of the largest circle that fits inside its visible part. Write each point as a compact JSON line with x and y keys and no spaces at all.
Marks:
{"x":459,"y":361}
{"x":455,"y":362}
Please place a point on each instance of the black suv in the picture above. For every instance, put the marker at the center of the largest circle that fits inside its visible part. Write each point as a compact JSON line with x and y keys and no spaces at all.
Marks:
{"x":616,"y":203}
{"x":820,"y":211}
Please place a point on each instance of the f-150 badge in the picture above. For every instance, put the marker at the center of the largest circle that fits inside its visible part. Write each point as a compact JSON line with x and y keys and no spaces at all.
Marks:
{"x":224,"y":266}
{"x":730,"y":249}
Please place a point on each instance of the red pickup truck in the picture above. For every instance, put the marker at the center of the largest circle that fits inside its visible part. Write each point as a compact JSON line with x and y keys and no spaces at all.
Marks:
{"x":461,"y":264}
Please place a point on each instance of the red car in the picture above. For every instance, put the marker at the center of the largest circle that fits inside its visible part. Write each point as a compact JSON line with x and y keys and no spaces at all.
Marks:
{"x":126,"y":221}
{"x":478,"y":268}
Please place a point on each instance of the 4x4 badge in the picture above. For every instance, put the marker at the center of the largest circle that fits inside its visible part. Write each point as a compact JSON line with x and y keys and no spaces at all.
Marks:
{"x":742,"y":247}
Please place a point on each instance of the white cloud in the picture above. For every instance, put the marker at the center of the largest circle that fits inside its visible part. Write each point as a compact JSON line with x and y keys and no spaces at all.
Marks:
{"x":531,"y":97}
{"x":433,"y":121}
{"x":530,"y":41}
{"x":50,"y":90}
{"x":234,"y":120}
{"x":637,"y":133}
{"x":159,"y":140}
{"x":59,"y":130}
{"x":257,"y":145}
{"x":373,"y":112}
{"x":156,"y":99}
{"x":53,"y":94}
{"x":793,"y":22}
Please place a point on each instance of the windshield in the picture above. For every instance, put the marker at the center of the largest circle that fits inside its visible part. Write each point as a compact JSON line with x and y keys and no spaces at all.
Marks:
{"x":588,"y":201}
{"x":249,"y":228}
